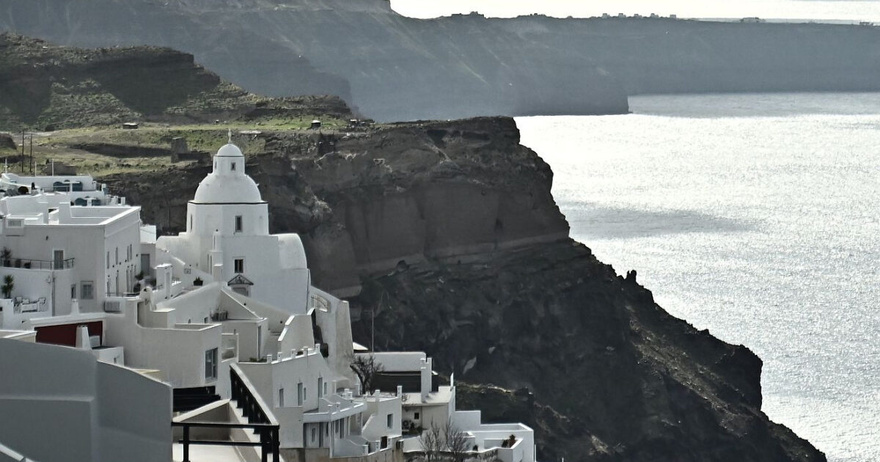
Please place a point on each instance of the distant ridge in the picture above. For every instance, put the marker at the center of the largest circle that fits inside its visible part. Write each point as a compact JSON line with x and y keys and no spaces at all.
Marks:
{"x":45,"y":86}
{"x":387,"y":66}
{"x":391,"y":67}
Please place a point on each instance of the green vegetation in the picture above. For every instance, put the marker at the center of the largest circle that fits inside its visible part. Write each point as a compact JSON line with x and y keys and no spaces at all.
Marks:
{"x":107,"y":150}
{"x":74,"y":102}
{"x":8,"y":285}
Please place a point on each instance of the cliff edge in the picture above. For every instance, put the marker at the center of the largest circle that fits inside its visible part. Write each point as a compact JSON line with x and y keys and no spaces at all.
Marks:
{"x":450,"y":235}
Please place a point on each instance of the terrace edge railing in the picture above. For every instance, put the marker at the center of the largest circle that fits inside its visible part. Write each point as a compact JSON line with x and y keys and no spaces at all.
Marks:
{"x":260,"y":420}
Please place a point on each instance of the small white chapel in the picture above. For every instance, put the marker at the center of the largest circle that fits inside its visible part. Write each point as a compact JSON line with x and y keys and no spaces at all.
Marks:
{"x":227,"y":236}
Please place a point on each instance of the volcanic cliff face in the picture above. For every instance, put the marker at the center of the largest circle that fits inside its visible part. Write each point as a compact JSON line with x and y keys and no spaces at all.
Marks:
{"x":394,"y":68}
{"x":461,"y":252}
{"x":386,"y":66}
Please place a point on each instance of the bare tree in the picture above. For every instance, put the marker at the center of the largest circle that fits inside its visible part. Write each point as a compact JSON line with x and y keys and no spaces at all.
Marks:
{"x":366,"y":368}
{"x":446,"y":439}
{"x":432,"y":442}
{"x":456,"y":441}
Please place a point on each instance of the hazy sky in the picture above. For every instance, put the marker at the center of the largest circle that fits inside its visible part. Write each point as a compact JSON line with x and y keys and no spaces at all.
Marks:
{"x":865,"y":10}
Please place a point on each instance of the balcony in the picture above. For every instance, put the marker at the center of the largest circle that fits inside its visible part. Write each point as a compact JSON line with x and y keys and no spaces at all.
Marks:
{"x":25,"y":305}
{"x":38,"y":264}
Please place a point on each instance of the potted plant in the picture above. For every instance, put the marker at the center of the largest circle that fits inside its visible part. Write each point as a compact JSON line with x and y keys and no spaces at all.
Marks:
{"x":8,"y":285}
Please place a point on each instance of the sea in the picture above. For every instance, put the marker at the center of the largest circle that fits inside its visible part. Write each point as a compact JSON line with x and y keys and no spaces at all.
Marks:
{"x":756,"y":216}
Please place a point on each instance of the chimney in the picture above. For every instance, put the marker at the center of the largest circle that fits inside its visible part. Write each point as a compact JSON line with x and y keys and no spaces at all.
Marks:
{"x":425,"y":371}
{"x":82,"y":338}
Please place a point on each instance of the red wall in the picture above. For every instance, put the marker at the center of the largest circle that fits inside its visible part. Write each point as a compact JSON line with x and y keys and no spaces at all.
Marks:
{"x":65,"y":334}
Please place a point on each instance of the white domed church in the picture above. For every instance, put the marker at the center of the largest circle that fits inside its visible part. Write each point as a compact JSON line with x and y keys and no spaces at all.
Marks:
{"x":227,"y":237}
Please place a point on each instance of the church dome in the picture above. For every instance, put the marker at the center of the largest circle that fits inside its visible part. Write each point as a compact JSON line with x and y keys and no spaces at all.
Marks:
{"x":228,"y":183}
{"x":229,"y":150}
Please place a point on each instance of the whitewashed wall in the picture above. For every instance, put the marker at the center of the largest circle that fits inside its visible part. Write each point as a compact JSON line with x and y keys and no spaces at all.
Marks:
{"x":93,"y":411}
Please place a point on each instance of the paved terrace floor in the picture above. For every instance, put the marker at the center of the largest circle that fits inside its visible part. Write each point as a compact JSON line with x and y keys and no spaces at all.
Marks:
{"x":200,"y":453}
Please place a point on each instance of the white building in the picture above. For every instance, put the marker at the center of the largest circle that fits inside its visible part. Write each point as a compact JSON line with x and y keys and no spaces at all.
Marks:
{"x":61,"y":404}
{"x":227,"y":236}
{"x":231,"y":308}
{"x":427,"y":404}
{"x":57,"y":252}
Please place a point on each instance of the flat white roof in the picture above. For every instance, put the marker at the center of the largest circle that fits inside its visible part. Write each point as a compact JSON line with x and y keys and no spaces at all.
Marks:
{"x":32,"y":209}
{"x":441,"y":396}
{"x":48,"y":182}
{"x":404,"y":361}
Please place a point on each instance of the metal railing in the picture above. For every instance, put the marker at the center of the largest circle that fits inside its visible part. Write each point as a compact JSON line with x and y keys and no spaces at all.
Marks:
{"x":37,"y":264}
{"x":269,"y":441}
{"x":259,"y":420}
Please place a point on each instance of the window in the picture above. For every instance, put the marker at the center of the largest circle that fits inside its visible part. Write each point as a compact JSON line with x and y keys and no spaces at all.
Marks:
{"x":72,"y":291}
{"x":280,"y":397}
{"x":239,"y":222}
{"x":321,"y":387}
{"x":299,"y":394}
{"x":190,"y":222}
{"x":239,"y":265}
{"x":314,"y":435}
{"x":211,"y":364}
{"x":389,"y":420}
{"x":108,"y":259}
{"x":87,"y":291}
{"x":416,"y":416}
{"x":233,"y":167}
{"x":117,"y":255}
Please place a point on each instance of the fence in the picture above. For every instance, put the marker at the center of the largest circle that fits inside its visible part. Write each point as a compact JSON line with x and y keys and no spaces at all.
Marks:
{"x":259,"y":420}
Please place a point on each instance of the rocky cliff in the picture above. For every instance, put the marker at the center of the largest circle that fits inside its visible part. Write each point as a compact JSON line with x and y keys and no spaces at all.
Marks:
{"x":450,"y":230}
{"x":387,"y":66}
{"x":446,"y":235}
{"x":396,"y":68}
